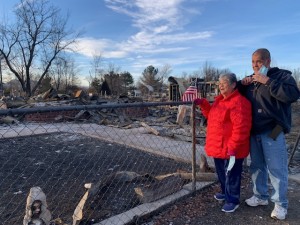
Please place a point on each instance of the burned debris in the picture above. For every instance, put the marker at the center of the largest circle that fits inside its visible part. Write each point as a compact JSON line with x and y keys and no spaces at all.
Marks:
{"x":161,"y":120}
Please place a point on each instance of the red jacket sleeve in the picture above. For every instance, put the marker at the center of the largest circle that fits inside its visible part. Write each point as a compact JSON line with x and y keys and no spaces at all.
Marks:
{"x":205,"y":107}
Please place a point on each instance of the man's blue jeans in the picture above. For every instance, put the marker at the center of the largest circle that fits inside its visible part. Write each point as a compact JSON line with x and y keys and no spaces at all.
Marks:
{"x":269,"y":157}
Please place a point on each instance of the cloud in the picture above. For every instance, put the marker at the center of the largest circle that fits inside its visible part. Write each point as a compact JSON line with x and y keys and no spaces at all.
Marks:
{"x":139,"y":43}
{"x":151,"y":15}
{"x":159,"y":24}
{"x":92,"y":46}
{"x":159,"y":27}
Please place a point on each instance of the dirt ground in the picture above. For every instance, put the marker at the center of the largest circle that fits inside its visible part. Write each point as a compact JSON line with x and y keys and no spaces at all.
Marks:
{"x":204,"y":209}
{"x":61,"y":164}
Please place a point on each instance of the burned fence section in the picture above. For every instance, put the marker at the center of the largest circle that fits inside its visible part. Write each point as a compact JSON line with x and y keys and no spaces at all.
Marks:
{"x":86,"y":164}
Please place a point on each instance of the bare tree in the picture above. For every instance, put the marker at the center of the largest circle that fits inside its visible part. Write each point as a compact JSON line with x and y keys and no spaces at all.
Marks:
{"x":30,"y":46}
{"x":164,"y":72}
{"x":57,"y":71}
{"x":210,"y":73}
{"x":63,"y":73}
{"x":184,"y":75}
{"x":113,"y":69}
{"x":96,"y":71}
{"x":296,"y":75}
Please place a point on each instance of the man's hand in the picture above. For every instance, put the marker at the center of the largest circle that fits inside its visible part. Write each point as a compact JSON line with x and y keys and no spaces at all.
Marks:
{"x":198,"y":101}
{"x":247,"y":80}
{"x":260,"y":78}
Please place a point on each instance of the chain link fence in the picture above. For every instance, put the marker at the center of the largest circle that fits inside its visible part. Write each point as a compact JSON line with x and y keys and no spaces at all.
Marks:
{"x":90,"y":163}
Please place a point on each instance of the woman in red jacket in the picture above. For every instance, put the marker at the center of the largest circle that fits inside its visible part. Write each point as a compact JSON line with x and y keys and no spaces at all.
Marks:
{"x":227,"y":137}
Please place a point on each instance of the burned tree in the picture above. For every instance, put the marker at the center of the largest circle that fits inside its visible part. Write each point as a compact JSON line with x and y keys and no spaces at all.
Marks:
{"x":30,"y":45}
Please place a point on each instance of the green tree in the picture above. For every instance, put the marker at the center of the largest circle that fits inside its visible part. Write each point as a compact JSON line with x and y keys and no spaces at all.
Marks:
{"x":150,"y":80}
{"x":96,"y":85}
{"x":127,"y":79}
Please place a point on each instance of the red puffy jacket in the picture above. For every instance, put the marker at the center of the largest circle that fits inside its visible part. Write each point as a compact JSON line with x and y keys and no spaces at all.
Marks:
{"x":228,"y":126}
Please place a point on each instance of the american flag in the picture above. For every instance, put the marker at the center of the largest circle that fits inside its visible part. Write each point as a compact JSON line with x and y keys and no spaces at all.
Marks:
{"x":190,"y":94}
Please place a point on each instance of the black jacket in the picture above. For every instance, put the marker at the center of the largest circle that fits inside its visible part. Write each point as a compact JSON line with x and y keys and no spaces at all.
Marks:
{"x":271,"y":102}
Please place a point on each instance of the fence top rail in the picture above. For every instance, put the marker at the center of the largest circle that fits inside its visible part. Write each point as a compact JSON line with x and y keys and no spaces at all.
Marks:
{"x":87,"y":107}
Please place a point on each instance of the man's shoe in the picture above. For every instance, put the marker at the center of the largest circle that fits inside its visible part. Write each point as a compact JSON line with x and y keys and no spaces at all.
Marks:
{"x":219,"y":196}
{"x":279,"y":213}
{"x":255,"y":201}
{"x":230,"y":207}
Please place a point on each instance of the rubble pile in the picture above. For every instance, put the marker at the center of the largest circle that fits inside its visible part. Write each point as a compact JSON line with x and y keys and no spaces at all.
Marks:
{"x":167,"y":121}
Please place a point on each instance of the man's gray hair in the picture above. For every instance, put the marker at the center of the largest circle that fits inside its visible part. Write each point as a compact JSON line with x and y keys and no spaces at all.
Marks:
{"x":231,"y":77}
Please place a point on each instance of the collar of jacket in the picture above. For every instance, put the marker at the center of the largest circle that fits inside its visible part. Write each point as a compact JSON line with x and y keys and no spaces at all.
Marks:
{"x":221,"y":97}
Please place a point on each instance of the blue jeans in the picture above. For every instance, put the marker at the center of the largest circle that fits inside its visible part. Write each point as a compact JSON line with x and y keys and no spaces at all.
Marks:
{"x":230,"y":182}
{"x":269,"y":157}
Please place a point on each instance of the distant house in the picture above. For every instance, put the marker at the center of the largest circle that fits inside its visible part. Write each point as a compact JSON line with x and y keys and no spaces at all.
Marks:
{"x":182,"y":90}
{"x":137,"y":93}
{"x":177,"y":87}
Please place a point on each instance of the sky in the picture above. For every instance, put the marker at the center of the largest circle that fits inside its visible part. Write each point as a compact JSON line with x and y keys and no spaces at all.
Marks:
{"x":184,"y":34}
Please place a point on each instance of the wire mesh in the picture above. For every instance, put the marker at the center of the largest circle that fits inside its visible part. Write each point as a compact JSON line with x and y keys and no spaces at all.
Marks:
{"x":88,"y":161}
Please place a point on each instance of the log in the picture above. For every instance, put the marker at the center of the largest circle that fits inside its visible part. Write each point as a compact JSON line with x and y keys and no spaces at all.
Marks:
{"x":188,"y":176}
{"x":95,"y":188}
{"x":183,"y":137}
{"x":203,"y":164}
{"x":8,"y":120}
{"x":167,"y":184}
{"x":184,"y":112}
{"x":15,"y":103}
{"x":79,"y":114}
{"x":181,"y":114}
{"x":159,"y":189}
{"x":150,"y":129}
{"x":2,"y":105}
{"x":200,"y":176}
{"x":163,"y":119}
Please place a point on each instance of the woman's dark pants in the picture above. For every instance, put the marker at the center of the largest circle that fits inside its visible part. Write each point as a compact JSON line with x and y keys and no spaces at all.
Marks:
{"x":230,"y":182}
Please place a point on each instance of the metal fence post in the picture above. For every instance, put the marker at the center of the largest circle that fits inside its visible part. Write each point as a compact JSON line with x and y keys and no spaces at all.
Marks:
{"x":294,"y":149}
{"x":194,"y":147}
{"x":1,"y":81}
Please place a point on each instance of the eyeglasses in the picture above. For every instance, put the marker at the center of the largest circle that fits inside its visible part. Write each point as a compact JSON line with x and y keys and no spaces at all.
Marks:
{"x":223,"y":83}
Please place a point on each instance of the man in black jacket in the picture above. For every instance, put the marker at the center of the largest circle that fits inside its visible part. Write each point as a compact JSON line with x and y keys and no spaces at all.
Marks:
{"x":271,"y":92}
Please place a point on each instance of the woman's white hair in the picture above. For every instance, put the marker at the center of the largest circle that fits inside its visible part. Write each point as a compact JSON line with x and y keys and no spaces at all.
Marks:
{"x":231,"y":77}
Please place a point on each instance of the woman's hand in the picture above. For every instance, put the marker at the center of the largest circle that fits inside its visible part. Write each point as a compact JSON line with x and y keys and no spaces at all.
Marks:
{"x":198,"y":101}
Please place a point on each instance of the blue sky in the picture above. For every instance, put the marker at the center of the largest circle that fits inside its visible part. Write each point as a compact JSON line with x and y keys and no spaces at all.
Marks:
{"x":133,"y":34}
